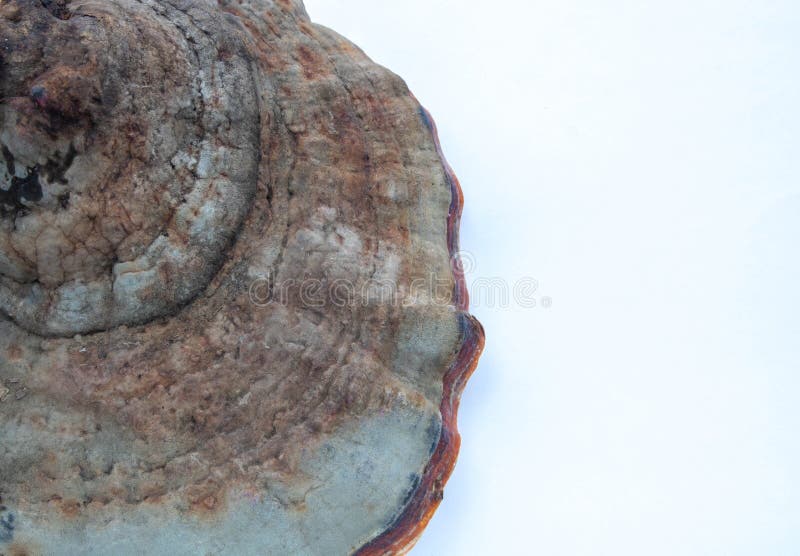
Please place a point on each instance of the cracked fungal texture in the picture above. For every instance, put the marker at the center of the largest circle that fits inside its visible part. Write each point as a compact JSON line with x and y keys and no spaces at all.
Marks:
{"x":162,"y":160}
{"x":134,"y":158}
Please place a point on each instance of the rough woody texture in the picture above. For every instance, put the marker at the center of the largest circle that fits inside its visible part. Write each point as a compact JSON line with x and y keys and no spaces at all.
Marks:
{"x":230,"y":318}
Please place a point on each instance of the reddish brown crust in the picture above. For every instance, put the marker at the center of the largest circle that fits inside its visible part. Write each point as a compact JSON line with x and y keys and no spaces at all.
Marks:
{"x":404,"y":532}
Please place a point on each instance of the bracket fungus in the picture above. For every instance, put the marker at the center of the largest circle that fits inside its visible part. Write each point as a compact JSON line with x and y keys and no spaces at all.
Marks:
{"x":232,"y":318}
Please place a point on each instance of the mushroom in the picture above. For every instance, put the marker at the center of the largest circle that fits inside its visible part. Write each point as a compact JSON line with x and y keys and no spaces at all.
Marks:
{"x":232,"y":317}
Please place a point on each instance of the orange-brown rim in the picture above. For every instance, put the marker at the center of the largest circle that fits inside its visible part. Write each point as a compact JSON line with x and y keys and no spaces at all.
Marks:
{"x":404,"y":532}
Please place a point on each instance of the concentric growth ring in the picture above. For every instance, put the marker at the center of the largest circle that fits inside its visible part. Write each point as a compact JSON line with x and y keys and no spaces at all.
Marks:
{"x":117,"y":203}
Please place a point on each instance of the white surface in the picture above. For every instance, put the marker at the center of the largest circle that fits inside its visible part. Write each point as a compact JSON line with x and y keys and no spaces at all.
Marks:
{"x":639,"y":159}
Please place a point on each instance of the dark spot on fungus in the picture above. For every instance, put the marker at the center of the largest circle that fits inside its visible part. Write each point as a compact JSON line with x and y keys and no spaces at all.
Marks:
{"x":39,"y":95}
{"x":426,"y":119}
{"x":58,"y":8}
{"x":9,"y":159}
{"x":20,"y":189}
{"x":55,"y":168}
{"x":7,"y":526}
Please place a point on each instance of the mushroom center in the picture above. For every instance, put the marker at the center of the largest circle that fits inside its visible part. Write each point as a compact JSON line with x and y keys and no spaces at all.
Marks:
{"x":126,"y":165}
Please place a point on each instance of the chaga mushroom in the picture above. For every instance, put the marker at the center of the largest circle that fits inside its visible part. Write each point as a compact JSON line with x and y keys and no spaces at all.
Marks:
{"x":232,"y":318}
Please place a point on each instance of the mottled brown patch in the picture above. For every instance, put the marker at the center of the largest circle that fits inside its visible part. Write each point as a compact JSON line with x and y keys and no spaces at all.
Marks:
{"x":206,"y":500}
{"x":311,"y":61}
{"x":10,"y":11}
{"x":69,"y":508}
{"x":68,"y":91}
{"x":17,"y":549}
{"x":14,"y":352}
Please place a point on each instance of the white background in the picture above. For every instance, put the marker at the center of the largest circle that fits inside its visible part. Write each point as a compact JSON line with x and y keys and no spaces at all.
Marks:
{"x":640,"y":160}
